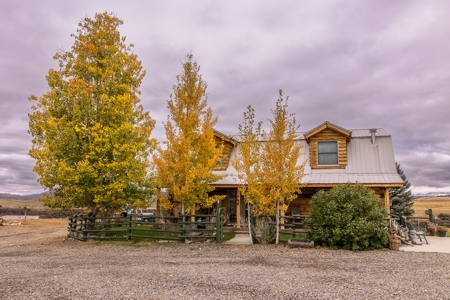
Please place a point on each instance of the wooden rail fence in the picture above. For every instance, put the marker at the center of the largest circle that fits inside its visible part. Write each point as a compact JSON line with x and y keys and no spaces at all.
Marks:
{"x":134,"y":226}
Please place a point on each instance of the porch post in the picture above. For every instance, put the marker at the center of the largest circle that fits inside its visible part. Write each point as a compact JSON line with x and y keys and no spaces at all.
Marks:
{"x":387,"y":200}
{"x":238,"y":210}
{"x":193,"y":213}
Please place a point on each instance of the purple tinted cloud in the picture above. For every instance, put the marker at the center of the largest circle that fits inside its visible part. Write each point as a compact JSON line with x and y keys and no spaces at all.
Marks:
{"x":356,"y":64}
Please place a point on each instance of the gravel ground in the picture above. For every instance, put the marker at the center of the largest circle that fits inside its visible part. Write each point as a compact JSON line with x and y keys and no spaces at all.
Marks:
{"x":90,"y":270}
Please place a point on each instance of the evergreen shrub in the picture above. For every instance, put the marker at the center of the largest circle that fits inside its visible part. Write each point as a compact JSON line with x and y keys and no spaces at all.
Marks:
{"x":351,"y":217}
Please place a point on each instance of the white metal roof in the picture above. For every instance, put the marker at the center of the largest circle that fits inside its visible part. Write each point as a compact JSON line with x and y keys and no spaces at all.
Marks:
{"x":367,"y":163}
{"x":366,"y":132}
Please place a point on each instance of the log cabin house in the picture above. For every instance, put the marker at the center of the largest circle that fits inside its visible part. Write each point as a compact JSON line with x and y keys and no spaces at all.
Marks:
{"x":333,"y":155}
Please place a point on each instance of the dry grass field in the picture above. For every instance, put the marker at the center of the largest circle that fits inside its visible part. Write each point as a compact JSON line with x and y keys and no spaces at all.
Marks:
{"x":34,"y":203}
{"x":437,"y":204}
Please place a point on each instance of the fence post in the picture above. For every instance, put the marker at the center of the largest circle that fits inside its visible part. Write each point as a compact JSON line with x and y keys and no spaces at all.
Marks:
{"x":253,"y":226}
{"x":293,"y":222}
{"x":429,"y":212}
{"x":130,"y":219}
{"x":83,"y":227}
{"x":219,"y":222}
{"x":70,"y":227}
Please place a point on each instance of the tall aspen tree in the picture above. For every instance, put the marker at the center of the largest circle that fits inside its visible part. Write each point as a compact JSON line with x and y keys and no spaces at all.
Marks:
{"x":281,"y":172}
{"x":91,"y":136}
{"x":185,"y":166}
{"x":247,"y":160}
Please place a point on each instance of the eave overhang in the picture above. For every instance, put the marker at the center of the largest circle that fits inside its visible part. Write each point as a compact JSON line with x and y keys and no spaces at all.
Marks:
{"x":328,"y":125}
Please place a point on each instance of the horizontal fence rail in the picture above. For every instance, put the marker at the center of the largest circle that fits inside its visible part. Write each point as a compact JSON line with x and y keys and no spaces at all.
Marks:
{"x":291,"y":227}
{"x":135,"y":226}
{"x":296,"y":227}
{"x":299,"y":229}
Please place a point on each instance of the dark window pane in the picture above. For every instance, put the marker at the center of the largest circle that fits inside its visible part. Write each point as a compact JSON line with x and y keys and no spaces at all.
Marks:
{"x":328,"y":153}
{"x":327,"y":147}
{"x":328,"y":159}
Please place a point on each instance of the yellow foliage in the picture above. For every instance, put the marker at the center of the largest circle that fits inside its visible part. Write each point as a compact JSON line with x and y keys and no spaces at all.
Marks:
{"x":247,"y":160}
{"x":281,"y":172}
{"x":91,"y":137}
{"x":184,"y":167}
{"x":267,"y":163}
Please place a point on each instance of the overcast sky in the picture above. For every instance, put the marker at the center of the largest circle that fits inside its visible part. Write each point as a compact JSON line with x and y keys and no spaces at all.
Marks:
{"x":357,"y":64}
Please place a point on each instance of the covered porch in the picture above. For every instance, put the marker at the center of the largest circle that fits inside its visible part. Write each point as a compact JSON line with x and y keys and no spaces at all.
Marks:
{"x":236,"y":212}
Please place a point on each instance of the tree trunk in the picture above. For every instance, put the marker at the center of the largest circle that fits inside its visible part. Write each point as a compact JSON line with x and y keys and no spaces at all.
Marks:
{"x":193,"y":213}
{"x":182,"y":213}
{"x":93,"y":211}
{"x":249,"y":222}
{"x":277,"y":222}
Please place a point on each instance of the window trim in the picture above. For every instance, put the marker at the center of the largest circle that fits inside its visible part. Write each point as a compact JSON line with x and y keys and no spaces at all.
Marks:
{"x":337,"y":153}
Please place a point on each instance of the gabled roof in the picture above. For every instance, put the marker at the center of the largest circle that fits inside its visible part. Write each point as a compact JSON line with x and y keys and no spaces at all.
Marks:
{"x":360,"y":133}
{"x":367,"y":163}
{"x":328,"y":125}
{"x":223,"y":136}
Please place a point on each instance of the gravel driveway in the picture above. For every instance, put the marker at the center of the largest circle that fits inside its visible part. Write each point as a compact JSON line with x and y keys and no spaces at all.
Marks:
{"x":53,"y":269}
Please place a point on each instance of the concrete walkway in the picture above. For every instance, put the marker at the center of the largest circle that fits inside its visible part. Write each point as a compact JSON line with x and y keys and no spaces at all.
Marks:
{"x":436,"y":244}
{"x":239,"y":239}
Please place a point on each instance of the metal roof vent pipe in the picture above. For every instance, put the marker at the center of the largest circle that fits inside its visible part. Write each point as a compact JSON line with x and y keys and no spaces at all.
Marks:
{"x":372,"y":134}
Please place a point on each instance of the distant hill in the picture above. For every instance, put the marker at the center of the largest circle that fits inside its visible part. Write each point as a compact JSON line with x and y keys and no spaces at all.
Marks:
{"x":433,"y":194}
{"x":6,"y":196}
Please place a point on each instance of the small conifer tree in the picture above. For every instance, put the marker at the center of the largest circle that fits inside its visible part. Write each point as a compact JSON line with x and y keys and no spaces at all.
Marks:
{"x":402,"y":199}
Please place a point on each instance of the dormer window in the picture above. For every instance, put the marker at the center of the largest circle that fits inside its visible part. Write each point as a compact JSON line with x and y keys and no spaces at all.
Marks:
{"x":328,"y":146}
{"x":327,"y":153}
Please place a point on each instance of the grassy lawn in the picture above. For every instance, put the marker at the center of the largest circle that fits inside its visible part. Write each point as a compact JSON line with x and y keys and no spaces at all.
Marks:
{"x":146,"y":230}
{"x":228,"y":236}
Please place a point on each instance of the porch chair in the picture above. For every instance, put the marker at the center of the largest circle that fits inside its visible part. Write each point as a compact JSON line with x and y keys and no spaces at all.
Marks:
{"x":419,"y":233}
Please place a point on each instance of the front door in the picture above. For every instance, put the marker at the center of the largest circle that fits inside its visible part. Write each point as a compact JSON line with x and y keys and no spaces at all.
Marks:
{"x":231,"y":206}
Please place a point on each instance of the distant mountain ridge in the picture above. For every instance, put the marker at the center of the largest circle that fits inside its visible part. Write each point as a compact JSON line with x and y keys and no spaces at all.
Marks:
{"x":6,"y":196}
{"x":433,"y":194}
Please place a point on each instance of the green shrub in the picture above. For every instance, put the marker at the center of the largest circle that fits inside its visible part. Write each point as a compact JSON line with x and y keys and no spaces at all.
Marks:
{"x":444,"y":216}
{"x":351,"y":217}
{"x":264,"y":230}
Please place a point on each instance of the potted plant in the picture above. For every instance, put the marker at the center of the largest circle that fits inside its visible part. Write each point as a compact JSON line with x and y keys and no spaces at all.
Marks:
{"x":442,"y":231}
{"x":394,"y":242}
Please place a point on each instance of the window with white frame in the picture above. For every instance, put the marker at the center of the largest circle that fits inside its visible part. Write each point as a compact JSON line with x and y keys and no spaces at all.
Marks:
{"x":327,"y":152}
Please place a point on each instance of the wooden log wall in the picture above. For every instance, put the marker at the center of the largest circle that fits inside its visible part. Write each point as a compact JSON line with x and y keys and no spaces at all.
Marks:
{"x":302,"y":203}
{"x":328,"y":135}
{"x":303,"y":200}
{"x":226,"y":153}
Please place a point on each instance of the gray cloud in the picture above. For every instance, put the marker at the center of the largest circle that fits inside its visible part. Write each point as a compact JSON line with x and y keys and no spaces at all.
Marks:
{"x":356,"y":64}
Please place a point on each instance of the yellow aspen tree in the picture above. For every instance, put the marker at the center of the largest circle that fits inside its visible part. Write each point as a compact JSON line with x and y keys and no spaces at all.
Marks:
{"x":91,"y":136}
{"x":281,"y":172}
{"x":247,"y":160}
{"x":185,"y":166}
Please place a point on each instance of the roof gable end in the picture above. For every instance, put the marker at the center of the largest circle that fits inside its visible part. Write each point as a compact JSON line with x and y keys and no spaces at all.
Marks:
{"x":223,"y":136}
{"x":331,"y":126}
